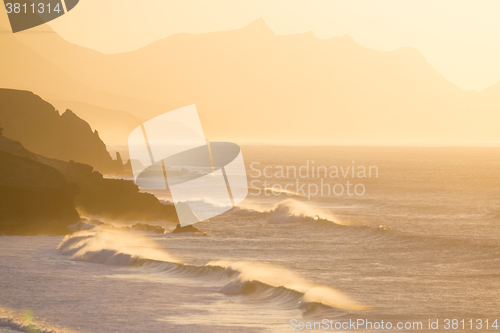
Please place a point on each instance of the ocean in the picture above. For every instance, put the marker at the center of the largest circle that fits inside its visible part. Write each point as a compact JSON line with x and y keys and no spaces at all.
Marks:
{"x":411,"y":238}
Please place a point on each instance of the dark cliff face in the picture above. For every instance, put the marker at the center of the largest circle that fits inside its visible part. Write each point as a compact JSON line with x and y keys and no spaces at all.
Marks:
{"x":39,"y":194}
{"x":34,"y":198}
{"x":27,"y":118}
{"x":118,"y":199}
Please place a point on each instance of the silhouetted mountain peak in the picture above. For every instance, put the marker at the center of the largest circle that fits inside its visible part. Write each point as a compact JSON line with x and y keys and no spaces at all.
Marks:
{"x":348,"y":38}
{"x":74,"y":120}
{"x":260,"y":26}
{"x":69,"y":113}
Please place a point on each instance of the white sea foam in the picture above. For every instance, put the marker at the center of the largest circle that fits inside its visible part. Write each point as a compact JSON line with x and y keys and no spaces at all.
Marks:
{"x":291,"y":210}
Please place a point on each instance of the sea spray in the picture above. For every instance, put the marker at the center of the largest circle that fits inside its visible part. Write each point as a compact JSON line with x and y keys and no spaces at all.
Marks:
{"x":113,"y":246}
{"x":290,"y":210}
{"x":261,"y":281}
{"x":281,"y":277}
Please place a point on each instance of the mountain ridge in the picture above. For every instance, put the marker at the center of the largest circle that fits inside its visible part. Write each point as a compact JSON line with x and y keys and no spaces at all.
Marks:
{"x":296,"y":84}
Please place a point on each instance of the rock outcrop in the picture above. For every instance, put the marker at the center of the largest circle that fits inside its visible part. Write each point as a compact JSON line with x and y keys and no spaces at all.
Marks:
{"x":148,"y":228}
{"x":41,"y":195}
{"x":34,"y":198}
{"x":189,"y":228}
{"x":27,"y":118}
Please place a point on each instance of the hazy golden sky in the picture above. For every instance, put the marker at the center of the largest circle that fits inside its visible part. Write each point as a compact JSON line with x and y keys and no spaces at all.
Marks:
{"x":459,"y":38}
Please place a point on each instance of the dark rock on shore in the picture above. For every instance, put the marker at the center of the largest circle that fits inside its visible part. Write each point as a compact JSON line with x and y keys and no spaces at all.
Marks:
{"x":178,"y":229}
{"x":88,"y":225}
{"x":148,"y":228}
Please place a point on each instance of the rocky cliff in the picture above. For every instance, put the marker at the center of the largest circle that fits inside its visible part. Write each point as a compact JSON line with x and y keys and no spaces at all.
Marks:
{"x":34,"y":198}
{"x":27,"y":118}
{"x":42,"y":195}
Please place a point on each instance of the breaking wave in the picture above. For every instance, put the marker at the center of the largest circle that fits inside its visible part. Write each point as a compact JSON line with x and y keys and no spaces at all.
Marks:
{"x":275,"y":283}
{"x":253,"y":280}
{"x":315,"y":219}
{"x":294,"y":211}
{"x":113,"y":247}
{"x":290,"y":211}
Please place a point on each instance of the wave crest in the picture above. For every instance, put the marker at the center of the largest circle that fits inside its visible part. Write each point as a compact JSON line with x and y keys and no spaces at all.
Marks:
{"x":257,"y":281}
{"x":276,"y":282}
{"x":113,"y":247}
